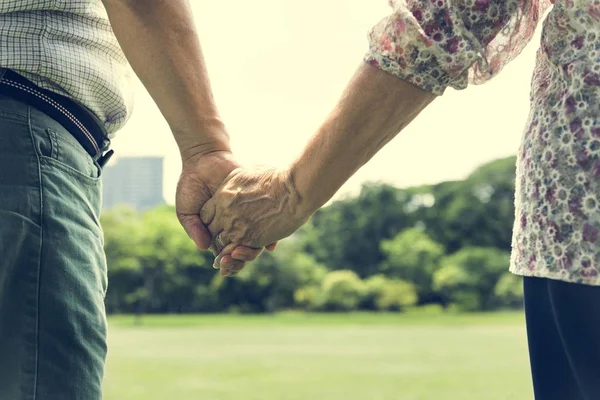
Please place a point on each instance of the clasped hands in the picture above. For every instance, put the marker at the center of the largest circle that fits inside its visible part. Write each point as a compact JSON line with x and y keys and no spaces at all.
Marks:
{"x":252,"y":209}
{"x":234,"y":211}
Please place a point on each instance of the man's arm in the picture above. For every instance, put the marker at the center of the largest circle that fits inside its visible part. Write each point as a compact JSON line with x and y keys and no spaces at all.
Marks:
{"x":258,"y":208}
{"x":160,"y":42}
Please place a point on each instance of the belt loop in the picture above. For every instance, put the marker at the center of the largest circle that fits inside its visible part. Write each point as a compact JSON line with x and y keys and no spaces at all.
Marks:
{"x":2,"y":72}
{"x":104,"y":158}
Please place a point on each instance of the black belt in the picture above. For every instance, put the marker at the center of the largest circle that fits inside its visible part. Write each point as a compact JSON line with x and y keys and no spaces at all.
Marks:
{"x":80,"y":122}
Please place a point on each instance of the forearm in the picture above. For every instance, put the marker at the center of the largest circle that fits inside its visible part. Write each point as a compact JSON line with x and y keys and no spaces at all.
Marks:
{"x":374,"y":107}
{"x":159,"y":39}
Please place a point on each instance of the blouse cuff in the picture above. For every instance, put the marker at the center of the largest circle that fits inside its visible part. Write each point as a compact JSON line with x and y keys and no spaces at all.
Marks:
{"x":421,"y":80}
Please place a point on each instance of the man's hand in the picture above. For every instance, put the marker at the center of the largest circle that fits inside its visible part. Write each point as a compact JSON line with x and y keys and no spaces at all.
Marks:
{"x":202,"y":174}
{"x":252,"y":209}
{"x":160,"y":42}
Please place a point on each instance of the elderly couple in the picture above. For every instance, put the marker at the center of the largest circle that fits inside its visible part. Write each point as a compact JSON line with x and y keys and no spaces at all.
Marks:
{"x":63,"y":95}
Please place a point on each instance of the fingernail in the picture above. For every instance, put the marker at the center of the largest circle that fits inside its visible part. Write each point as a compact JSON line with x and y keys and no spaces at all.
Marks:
{"x":242,"y":256}
{"x":217,"y":262}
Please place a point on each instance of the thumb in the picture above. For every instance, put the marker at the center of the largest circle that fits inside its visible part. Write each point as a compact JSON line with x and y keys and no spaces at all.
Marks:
{"x":196,"y":230}
{"x":208,"y":211}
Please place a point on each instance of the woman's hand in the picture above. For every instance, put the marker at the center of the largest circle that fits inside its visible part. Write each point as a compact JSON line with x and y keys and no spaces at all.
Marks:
{"x":252,"y":208}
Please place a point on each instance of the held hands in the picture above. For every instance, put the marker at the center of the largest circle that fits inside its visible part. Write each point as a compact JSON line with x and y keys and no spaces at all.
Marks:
{"x":253,"y":208}
{"x":200,"y":178}
{"x":233,"y":211}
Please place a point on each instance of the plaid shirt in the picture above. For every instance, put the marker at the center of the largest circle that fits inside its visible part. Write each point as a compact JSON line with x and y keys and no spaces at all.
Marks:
{"x":68,"y":47}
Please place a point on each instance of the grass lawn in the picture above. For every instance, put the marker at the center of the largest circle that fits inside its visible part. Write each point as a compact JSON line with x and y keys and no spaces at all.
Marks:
{"x":413,"y":356}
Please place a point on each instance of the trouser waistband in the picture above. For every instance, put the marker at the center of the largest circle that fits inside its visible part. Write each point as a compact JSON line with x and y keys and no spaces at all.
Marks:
{"x":79,"y":121}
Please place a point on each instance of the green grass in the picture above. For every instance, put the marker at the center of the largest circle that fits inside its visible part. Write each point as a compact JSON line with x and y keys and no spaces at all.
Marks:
{"x":291,"y":356}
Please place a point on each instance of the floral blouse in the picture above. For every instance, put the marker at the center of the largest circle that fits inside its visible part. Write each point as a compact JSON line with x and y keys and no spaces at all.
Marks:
{"x":434,"y":44}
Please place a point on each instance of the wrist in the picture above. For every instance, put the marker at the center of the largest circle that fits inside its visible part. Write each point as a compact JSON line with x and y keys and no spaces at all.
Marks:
{"x":328,"y":160}
{"x":201,"y":139}
{"x":208,"y":171}
{"x":299,"y":182}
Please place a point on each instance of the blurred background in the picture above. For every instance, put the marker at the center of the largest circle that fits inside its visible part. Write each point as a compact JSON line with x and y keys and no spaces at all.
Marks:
{"x":397,"y":289}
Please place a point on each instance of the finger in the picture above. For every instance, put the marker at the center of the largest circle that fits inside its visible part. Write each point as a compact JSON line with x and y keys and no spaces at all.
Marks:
{"x":219,"y":243}
{"x":219,"y":239}
{"x":208,"y":211}
{"x":217,"y":260}
{"x":196,"y":230}
{"x":229,"y":264}
{"x":245,"y":253}
{"x":272,"y":246}
{"x":234,"y":269}
{"x":226,"y":261}
{"x":221,"y":252}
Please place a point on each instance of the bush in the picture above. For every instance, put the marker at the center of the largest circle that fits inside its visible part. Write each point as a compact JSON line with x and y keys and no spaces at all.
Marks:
{"x":273,"y":282}
{"x":206,"y":299}
{"x":414,"y":257}
{"x":429,"y":309}
{"x":397,"y":295}
{"x":465,"y":301}
{"x":308,"y":297}
{"x":388,"y":294}
{"x":509,"y":291}
{"x":341,"y":291}
{"x":373,"y":287}
{"x":468,"y":277}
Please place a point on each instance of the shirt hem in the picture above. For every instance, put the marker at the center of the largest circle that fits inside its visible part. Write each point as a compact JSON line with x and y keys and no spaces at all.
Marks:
{"x":592,"y":281}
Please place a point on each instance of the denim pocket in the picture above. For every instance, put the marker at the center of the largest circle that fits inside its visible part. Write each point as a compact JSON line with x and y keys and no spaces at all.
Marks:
{"x":57,"y":146}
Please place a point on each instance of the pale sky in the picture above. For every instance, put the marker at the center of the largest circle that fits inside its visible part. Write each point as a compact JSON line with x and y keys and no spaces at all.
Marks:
{"x":277,"y":68}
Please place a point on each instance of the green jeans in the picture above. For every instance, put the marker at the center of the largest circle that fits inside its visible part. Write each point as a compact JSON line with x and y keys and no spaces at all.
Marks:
{"x":52,"y":263}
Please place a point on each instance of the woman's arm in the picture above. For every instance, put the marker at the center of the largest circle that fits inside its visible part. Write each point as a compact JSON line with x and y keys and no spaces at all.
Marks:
{"x":373,"y":109}
{"x":415,"y":54}
{"x":258,"y":207}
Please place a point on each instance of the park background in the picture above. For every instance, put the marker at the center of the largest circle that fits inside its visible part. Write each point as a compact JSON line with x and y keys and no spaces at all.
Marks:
{"x":397,"y":289}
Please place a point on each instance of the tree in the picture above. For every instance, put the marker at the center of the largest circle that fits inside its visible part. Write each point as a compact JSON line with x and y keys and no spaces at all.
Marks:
{"x":414,"y":257}
{"x":347,"y":233}
{"x":401,"y":233}
{"x":270,"y":283}
{"x":122,"y":237}
{"x":478,"y":211}
{"x":168,"y":259}
{"x":468,"y":277}
{"x":153,"y":265}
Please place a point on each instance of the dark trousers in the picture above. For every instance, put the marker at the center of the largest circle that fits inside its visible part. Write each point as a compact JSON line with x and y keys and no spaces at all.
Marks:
{"x":563,"y":330}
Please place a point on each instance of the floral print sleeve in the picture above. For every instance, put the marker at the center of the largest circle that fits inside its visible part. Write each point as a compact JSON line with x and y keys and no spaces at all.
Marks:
{"x":434,"y":44}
